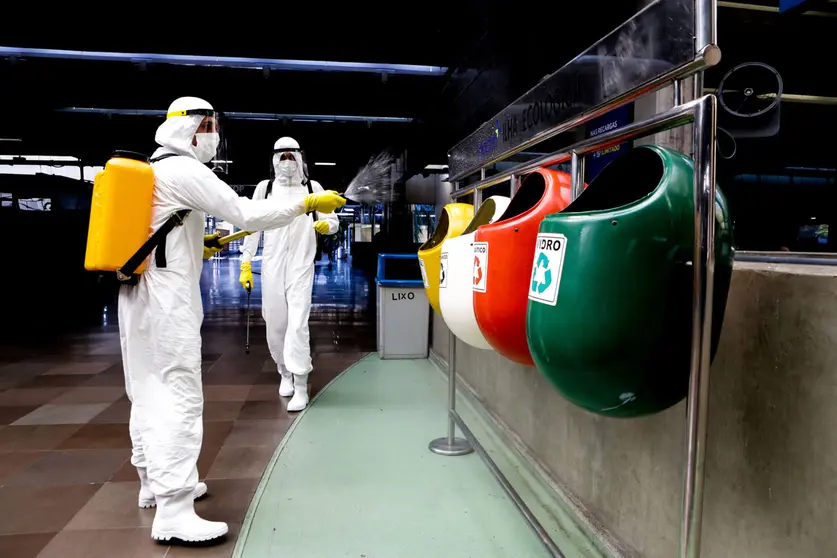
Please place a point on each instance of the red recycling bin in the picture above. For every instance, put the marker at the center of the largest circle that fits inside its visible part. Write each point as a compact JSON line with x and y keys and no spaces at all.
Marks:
{"x":503,"y":253}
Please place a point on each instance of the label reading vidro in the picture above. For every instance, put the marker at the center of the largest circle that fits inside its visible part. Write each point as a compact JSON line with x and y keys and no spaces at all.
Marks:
{"x":547,"y":267}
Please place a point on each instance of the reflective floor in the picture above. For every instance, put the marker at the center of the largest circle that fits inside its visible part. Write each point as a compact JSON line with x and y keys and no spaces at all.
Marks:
{"x":67,"y":488}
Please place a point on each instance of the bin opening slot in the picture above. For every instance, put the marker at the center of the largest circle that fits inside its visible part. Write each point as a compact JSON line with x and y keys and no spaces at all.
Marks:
{"x":401,"y":269}
{"x":530,"y":193}
{"x":439,"y":234}
{"x":627,"y":179}
{"x":483,"y":216}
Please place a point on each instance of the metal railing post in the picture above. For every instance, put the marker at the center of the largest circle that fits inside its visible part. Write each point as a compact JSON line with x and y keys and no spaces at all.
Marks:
{"x":703,"y":263}
{"x":451,"y":445}
{"x":577,"y":174}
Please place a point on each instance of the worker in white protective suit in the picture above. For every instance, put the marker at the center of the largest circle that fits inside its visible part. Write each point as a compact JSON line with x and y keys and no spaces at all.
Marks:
{"x":288,"y":270}
{"x":160,"y":317}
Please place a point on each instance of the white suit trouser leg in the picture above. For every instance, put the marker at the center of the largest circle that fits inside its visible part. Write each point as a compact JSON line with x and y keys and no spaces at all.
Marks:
{"x":286,"y":308}
{"x":163,"y":382}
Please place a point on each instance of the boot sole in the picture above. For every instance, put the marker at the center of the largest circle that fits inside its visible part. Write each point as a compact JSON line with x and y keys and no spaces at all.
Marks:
{"x":148,"y":504}
{"x":177,"y":536}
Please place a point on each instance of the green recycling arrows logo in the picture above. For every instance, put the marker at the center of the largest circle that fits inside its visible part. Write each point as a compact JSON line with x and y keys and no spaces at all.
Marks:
{"x":541,"y":275}
{"x":547,"y":267}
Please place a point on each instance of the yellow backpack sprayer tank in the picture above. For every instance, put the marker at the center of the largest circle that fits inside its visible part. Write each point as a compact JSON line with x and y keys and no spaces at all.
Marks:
{"x":120,"y":213}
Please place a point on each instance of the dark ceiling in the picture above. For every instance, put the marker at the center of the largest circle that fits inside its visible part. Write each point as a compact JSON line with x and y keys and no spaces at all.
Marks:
{"x":494,"y":52}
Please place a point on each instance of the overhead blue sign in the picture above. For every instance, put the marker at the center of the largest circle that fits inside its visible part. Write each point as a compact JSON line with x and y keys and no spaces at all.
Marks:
{"x":595,"y":162}
{"x":787,"y":5}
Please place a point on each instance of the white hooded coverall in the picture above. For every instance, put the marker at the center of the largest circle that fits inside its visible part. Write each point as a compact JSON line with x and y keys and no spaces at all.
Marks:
{"x":160,"y":318}
{"x":288,"y":272}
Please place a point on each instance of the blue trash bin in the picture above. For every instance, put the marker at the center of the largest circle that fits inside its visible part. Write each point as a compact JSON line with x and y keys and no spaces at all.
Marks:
{"x":403,"y":310}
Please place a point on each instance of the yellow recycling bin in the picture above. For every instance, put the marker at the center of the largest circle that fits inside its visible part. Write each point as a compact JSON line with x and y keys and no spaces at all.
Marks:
{"x":453,"y":220}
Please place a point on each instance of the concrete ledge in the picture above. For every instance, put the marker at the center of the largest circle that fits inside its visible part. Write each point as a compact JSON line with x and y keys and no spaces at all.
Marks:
{"x":772,"y":450}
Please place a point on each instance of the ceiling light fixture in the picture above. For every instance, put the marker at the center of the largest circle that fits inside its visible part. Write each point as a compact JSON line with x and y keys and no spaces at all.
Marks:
{"x":325,"y":164}
{"x":226,"y":61}
{"x":61,"y":158}
{"x":247,"y":115}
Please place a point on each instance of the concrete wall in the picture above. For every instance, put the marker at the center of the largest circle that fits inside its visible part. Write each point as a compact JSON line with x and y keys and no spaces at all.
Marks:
{"x":772,"y":451}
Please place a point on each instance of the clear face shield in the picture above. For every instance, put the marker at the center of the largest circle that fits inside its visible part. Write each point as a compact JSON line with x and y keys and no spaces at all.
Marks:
{"x":208,"y":144}
{"x":289,"y":164}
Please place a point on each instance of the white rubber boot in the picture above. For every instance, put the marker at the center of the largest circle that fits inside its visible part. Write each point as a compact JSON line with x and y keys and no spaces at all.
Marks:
{"x":176,"y":519}
{"x":146,"y":497}
{"x":300,"y":399}
{"x":286,"y":386}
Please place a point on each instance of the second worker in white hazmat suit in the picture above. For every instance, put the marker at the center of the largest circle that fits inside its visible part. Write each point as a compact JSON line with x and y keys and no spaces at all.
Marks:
{"x":160,"y":317}
{"x":288,"y":270}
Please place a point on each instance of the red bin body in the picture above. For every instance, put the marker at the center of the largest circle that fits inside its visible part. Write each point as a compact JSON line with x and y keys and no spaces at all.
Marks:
{"x":503,"y":253}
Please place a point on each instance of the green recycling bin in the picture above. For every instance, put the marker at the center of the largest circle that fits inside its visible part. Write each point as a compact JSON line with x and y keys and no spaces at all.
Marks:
{"x":609,"y":315}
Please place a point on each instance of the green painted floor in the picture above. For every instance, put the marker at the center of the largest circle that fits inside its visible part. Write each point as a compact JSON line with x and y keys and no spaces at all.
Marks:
{"x":354,"y":478}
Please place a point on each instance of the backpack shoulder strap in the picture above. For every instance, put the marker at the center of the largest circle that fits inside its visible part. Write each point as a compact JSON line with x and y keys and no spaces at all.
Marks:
{"x":310,"y":191}
{"x":157,"y":240}
{"x":269,"y":189}
{"x":163,"y":156}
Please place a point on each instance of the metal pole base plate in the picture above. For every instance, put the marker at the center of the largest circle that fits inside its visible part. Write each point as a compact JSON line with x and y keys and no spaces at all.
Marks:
{"x":443,"y":446}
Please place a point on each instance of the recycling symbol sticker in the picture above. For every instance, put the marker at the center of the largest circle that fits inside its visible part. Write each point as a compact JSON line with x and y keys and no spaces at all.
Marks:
{"x":480,"y":266}
{"x":547,"y":267}
{"x":443,"y":271}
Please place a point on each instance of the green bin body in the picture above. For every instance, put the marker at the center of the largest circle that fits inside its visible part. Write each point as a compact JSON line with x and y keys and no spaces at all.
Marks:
{"x":609,"y":316}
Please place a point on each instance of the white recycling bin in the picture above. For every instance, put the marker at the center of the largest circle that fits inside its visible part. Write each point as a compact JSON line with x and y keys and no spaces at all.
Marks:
{"x":456,"y":285}
{"x":403,"y":310}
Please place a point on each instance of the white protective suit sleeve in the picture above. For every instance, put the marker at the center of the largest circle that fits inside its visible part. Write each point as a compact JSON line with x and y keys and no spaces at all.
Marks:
{"x":200,"y":189}
{"x":251,"y":244}
{"x":332,"y":218}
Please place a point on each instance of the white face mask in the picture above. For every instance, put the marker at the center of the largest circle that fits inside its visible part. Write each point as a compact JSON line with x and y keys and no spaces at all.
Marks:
{"x":207,"y":146}
{"x":287,"y":168}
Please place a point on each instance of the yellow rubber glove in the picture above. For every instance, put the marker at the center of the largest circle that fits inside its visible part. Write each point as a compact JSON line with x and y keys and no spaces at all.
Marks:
{"x":324,"y":202}
{"x":322,"y":226}
{"x":211,"y":245}
{"x":246,"y":277}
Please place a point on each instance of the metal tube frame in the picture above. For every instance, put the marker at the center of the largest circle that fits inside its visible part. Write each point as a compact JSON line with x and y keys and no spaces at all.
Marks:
{"x":513,"y":495}
{"x":451,"y":446}
{"x":702,"y":112}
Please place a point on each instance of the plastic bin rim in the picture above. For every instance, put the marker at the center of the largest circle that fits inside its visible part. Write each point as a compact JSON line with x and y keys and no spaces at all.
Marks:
{"x":400,"y":283}
{"x":631,"y":207}
{"x":384,"y":282}
{"x":520,"y":217}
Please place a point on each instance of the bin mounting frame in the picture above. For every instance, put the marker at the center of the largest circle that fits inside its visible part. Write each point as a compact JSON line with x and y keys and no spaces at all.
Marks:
{"x":702,"y":114}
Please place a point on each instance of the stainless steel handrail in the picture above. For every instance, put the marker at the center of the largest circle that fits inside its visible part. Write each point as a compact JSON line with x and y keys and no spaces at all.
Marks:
{"x":703,"y":113}
{"x":513,"y":495}
{"x":678,"y":116}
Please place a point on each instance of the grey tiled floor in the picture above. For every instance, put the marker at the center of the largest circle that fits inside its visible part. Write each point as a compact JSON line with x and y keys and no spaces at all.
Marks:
{"x":67,"y":488}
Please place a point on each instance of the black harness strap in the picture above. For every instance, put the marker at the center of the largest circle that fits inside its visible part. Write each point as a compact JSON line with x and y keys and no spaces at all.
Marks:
{"x":157,"y":240}
{"x":270,"y":189}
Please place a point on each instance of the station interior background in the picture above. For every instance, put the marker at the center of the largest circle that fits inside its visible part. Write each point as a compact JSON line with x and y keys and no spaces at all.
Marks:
{"x":61,"y":117}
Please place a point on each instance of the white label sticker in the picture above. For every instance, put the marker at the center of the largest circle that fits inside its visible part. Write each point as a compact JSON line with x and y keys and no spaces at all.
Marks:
{"x":443,"y":272}
{"x":480,"y":266}
{"x":547,"y":267}
{"x":423,"y":274}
